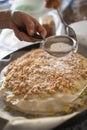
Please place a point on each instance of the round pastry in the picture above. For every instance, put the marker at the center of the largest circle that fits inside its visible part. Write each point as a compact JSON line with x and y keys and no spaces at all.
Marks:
{"x":40,"y":83}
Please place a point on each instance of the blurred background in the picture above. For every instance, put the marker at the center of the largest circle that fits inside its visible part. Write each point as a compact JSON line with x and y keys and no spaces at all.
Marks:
{"x":72,"y":10}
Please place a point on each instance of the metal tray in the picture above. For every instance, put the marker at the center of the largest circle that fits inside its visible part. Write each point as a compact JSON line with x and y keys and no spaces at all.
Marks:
{"x":78,"y":121}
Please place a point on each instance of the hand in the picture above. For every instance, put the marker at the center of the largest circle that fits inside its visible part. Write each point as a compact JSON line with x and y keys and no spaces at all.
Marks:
{"x":28,"y":23}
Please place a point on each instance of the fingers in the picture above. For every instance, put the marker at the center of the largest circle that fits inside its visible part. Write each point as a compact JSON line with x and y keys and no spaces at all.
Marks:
{"x":42,"y":31}
{"x":29,"y":25}
{"x":38,"y":28}
{"x":21,"y":35}
{"x":26,"y":38}
{"x":23,"y":20}
{"x":33,"y":26}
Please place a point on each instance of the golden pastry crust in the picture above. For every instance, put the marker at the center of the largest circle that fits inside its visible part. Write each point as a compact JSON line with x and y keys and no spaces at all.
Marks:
{"x":39,"y":74}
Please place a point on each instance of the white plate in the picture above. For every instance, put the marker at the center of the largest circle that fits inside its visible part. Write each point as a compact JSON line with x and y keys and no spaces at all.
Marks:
{"x":81,"y":31}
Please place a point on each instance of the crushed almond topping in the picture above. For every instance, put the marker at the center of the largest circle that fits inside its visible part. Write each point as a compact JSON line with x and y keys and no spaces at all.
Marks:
{"x":37,"y":72}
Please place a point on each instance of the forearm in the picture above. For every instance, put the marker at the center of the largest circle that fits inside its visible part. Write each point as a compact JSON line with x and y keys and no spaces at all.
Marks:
{"x":5,"y":19}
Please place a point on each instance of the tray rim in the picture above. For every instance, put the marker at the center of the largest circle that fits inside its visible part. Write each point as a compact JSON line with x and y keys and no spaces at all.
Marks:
{"x":65,"y":118}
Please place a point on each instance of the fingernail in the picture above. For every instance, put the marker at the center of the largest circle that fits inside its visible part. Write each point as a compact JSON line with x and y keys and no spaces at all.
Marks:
{"x":44,"y":34}
{"x":31,"y":32}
